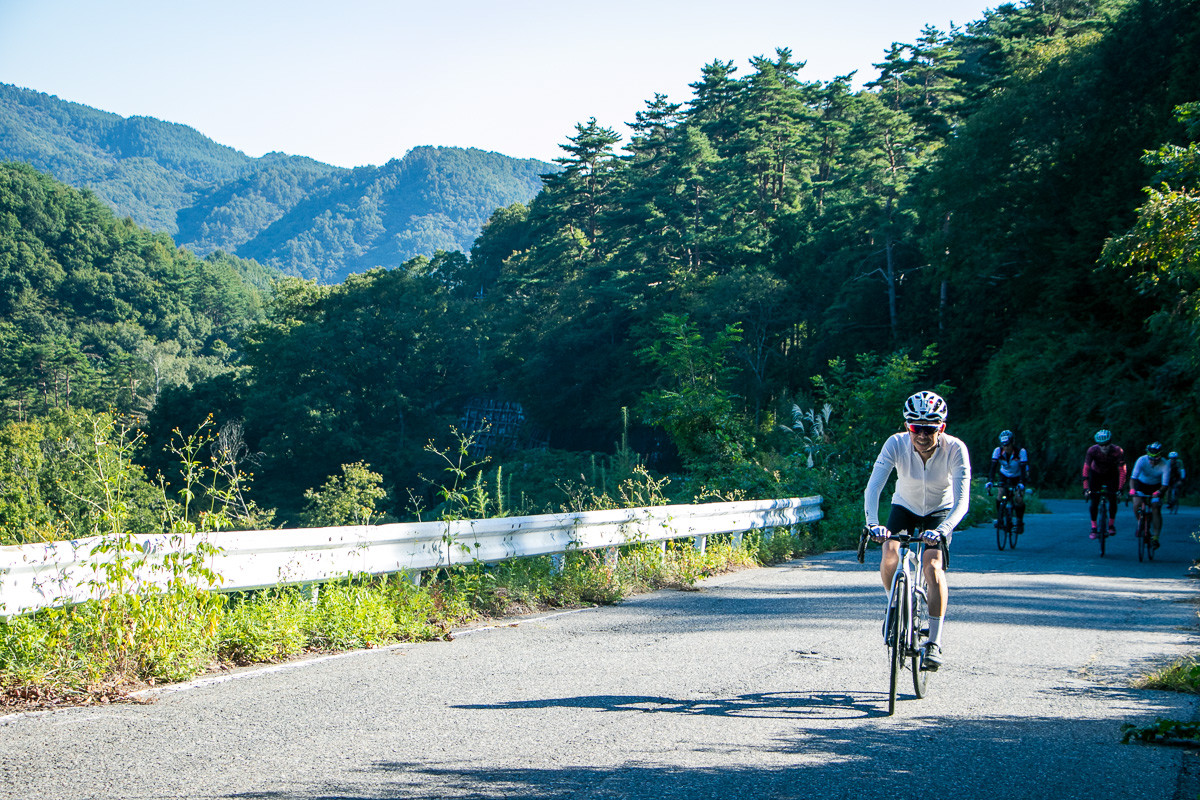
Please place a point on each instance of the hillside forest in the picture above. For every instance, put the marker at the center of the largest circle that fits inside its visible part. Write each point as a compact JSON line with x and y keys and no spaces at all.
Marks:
{"x":738,"y":298}
{"x":292,"y":213}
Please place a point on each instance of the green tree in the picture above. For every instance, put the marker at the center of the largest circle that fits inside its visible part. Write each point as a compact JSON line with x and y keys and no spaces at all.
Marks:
{"x":695,"y":403}
{"x":346,"y":499}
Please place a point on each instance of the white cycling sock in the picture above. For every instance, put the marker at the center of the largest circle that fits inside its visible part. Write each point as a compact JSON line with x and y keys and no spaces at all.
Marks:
{"x":935,"y":630}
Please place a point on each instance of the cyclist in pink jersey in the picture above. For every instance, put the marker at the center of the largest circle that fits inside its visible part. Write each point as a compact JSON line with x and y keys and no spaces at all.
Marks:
{"x":1103,"y":472}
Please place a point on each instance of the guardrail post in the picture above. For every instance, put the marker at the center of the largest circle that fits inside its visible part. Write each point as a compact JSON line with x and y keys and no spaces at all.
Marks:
{"x":737,"y":540}
{"x":700,"y":543}
{"x":414,"y":576}
{"x":557,"y":560}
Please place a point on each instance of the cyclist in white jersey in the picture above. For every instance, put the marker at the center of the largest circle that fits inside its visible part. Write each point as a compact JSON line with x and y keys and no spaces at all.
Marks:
{"x":1178,"y":474}
{"x":1150,"y":479}
{"x":1013,"y":464}
{"x":933,"y":490}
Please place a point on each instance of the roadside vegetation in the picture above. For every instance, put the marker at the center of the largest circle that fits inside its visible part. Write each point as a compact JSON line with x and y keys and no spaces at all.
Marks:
{"x":759,"y":276}
{"x":141,"y":635}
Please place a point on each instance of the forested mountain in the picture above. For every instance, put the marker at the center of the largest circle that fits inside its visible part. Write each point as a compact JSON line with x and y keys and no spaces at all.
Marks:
{"x":435,"y":198}
{"x":296,"y":214}
{"x":97,"y":313}
{"x":1008,"y":212}
{"x":141,"y":167}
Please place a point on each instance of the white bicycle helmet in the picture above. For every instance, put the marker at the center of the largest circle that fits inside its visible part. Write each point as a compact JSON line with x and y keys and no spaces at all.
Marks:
{"x":925,"y":408}
{"x":1005,"y":437}
{"x":1172,"y":454}
{"x":1103,"y":436}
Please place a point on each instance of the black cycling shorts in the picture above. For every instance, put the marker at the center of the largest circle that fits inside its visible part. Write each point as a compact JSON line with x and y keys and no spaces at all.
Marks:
{"x":1147,"y":489}
{"x":903,"y":519}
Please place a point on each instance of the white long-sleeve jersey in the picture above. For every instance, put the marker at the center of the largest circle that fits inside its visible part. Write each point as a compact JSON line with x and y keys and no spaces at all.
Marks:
{"x":1146,"y":471}
{"x":923,"y":487}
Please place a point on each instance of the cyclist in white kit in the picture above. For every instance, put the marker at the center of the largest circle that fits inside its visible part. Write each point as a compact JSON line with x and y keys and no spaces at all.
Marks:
{"x":933,"y":491}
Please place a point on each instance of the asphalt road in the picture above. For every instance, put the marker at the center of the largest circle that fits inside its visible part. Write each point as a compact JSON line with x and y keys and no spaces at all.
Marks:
{"x":768,"y":683}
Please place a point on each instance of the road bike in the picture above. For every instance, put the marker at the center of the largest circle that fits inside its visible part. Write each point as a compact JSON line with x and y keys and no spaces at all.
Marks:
{"x":1173,"y":499}
{"x":907,"y":617}
{"x":1145,"y":527}
{"x":1006,"y":531}
{"x":1104,"y":515}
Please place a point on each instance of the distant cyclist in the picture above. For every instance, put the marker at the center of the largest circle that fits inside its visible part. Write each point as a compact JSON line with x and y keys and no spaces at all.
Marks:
{"x":933,"y":490}
{"x":1103,"y":472}
{"x":1150,"y":479}
{"x":1178,"y":477}
{"x":1012,"y":462}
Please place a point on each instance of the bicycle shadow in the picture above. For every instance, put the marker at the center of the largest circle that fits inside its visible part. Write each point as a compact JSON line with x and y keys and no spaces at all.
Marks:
{"x":764,"y":705}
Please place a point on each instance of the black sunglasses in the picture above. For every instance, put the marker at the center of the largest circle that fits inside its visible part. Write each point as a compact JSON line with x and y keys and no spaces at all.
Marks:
{"x":926,"y":430}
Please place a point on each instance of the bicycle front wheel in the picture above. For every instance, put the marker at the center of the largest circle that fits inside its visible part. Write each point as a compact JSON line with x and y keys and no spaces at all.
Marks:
{"x":920,"y":623}
{"x":896,"y":642}
{"x":1143,"y":532}
{"x":1001,"y":534}
{"x":1102,"y":527}
{"x":1011,"y":526}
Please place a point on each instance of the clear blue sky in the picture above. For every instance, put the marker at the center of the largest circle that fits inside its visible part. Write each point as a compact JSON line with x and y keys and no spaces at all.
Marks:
{"x":355,"y":82}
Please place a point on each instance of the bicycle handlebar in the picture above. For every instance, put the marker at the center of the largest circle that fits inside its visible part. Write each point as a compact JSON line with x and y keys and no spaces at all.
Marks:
{"x":901,"y":538}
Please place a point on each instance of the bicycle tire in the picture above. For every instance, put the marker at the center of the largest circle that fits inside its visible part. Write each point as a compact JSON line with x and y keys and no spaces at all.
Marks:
{"x":896,"y":642}
{"x":1001,"y":534}
{"x":1012,"y":527}
{"x":1143,"y":529}
{"x":1150,"y":534}
{"x":1102,"y":517}
{"x":920,"y":620}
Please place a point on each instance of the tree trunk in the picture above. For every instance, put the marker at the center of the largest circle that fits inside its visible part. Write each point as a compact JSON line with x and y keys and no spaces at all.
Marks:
{"x":890,"y":276}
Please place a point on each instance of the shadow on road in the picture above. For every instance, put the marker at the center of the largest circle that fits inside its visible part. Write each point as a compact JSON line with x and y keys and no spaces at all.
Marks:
{"x":1022,"y":598}
{"x":889,"y":759}
{"x":776,"y":705}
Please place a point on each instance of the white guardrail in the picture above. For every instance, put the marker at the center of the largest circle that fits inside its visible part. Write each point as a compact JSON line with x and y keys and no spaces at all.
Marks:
{"x":43,"y":575}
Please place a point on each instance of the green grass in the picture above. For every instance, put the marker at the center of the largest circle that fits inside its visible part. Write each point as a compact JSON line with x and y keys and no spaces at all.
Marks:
{"x":101,"y":650}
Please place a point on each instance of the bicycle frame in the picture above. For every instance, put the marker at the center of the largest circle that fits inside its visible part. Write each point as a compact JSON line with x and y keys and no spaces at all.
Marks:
{"x":1006,"y":507}
{"x":1104,"y":515}
{"x":1145,"y":519}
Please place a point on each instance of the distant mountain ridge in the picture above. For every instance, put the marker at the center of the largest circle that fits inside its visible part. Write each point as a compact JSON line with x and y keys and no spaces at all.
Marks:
{"x":293,"y":213}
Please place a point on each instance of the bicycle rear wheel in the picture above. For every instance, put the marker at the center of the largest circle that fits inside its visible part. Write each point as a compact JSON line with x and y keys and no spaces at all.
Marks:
{"x":1143,"y":531}
{"x":1150,"y":536}
{"x":1102,"y":518}
{"x":896,"y":642}
{"x":920,"y":623}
